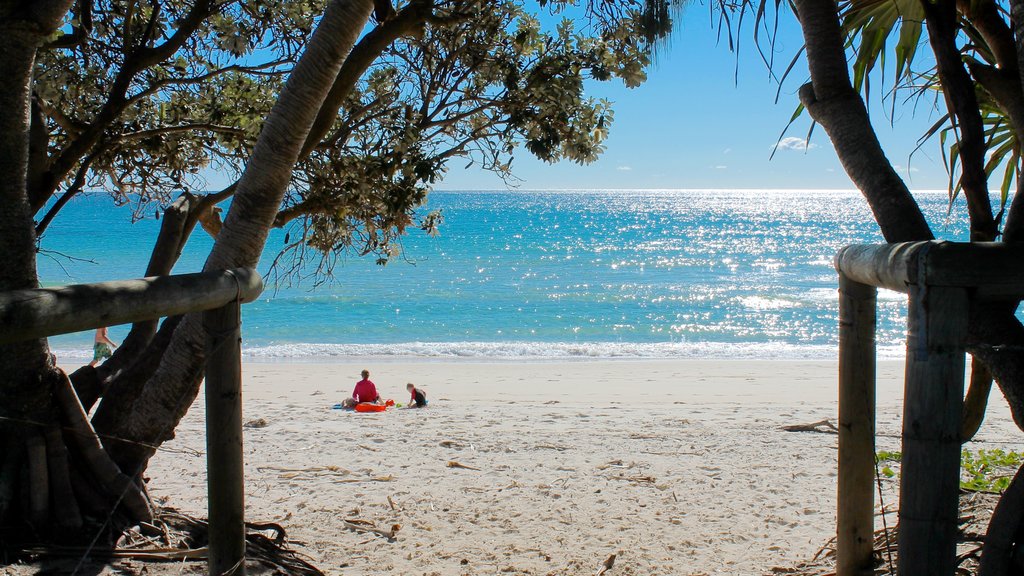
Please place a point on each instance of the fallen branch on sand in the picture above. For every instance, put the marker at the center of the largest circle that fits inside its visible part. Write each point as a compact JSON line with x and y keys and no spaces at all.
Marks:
{"x":366,"y":526}
{"x":551,"y":447}
{"x":289,"y":473}
{"x":822,"y":426}
{"x":634,"y":479}
{"x":608,"y":563}
{"x":176,"y":537}
{"x":318,"y":471}
{"x":454,"y":464}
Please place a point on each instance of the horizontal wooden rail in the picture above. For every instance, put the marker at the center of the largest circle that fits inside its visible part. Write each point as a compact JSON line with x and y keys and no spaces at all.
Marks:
{"x":994,"y":269}
{"x":27,"y":314}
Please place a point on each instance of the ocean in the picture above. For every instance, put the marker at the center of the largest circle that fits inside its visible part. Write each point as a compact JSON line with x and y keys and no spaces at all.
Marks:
{"x":743,"y":274}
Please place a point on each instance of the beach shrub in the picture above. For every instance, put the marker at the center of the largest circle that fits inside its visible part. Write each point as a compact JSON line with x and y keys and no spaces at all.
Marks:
{"x":981,"y":470}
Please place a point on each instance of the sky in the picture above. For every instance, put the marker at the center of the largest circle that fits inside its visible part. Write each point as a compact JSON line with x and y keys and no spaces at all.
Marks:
{"x":701,"y":122}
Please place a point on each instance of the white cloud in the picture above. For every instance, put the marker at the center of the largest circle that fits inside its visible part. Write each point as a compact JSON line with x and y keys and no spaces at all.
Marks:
{"x":794,"y":143}
{"x":624,"y":168}
{"x":721,"y":167}
{"x":727,"y":150}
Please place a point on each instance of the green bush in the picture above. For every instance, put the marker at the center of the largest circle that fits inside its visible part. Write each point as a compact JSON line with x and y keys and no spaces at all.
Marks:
{"x":980,"y":471}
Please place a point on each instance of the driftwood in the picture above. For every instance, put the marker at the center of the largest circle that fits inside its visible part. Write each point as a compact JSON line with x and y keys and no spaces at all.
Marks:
{"x":454,"y":464}
{"x":823,"y":426}
{"x":368,"y":527}
{"x":607,"y":565}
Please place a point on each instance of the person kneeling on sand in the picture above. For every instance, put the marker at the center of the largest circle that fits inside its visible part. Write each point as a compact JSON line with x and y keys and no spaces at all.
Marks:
{"x":365,"y":391}
{"x":419,"y":397}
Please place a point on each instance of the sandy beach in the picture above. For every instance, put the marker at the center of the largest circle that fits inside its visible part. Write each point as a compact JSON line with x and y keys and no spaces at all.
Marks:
{"x":678,"y":467}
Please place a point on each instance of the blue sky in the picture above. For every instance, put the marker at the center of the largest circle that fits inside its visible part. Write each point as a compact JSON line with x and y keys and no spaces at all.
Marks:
{"x":694,"y":125}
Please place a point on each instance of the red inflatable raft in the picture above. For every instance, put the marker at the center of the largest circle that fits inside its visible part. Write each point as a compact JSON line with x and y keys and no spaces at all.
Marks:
{"x":371,"y":407}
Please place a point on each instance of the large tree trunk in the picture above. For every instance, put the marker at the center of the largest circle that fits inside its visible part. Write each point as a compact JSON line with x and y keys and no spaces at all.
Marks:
{"x":146,"y":413}
{"x":31,"y":418}
{"x":832,"y":102}
{"x":27,"y":409}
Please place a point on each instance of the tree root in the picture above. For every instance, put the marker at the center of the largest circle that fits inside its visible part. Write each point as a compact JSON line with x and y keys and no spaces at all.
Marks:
{"x":67,"y":515}
{"x":1003,"y":530}
{"x":95,"y":458}
{"x":176,"y":537}
{"x":976,"y":400}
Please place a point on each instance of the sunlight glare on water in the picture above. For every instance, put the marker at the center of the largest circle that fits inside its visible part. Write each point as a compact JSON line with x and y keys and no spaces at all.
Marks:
{"x":653,"y":273}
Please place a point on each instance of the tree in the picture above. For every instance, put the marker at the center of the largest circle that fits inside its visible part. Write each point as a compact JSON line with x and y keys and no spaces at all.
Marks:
{"x":338,"y":136}
{"x":977,"y":54}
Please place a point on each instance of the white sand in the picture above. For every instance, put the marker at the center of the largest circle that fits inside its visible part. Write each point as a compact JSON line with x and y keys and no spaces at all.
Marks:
{"x":679,"y":467}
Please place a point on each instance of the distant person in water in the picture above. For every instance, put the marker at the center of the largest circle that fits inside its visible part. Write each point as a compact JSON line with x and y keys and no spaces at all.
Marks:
{"x":365,"y":391}
{"x":103,"y":346}
{"x":419,"y":397}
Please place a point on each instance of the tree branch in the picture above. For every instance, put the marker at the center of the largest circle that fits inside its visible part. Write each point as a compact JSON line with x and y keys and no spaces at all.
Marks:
{"x":135,"y":62}
{"x":832,"y":102}
{"x":958,"y":89}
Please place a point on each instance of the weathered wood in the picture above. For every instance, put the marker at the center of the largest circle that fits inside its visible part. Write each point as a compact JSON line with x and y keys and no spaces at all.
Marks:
{"x":855,"y":520}
{"x":933,"y":407}
{"x":891,"y":266}
{"x":27,"y":314}
{"x":224,"y":457}
{"x":991,"y":267}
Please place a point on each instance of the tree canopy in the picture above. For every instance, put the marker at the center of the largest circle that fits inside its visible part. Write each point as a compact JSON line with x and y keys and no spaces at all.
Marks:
{"x":142,"y":99}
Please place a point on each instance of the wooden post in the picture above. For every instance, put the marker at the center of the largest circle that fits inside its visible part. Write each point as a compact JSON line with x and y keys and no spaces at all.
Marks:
{"x":855,"y":499}
{"x":224,"y":458}
{"x":933,"y":404}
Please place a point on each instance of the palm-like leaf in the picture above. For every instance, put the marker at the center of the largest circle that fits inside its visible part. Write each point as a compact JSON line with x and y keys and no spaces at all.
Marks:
{"x":869,"y":24}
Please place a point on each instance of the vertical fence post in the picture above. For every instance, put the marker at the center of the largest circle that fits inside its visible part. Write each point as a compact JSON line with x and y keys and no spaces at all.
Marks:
{"x":224,"y":441}
{"x":932,"y":412}
{"x":855,"y":501}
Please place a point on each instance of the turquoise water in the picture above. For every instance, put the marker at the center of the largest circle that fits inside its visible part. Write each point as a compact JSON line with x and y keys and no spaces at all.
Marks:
{"x":644,"y":273}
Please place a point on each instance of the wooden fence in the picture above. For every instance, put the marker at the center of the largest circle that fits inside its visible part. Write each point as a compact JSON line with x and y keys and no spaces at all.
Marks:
{"x":941,"y":280}
{"x":26,"y":314}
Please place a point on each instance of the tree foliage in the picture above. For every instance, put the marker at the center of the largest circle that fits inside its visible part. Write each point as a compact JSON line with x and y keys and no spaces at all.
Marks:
{"x":461,"y":79}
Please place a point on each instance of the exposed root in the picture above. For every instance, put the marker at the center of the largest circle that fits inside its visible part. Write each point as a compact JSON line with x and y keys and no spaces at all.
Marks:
{"x":68,"y":516}
{"x":175,"y":537}
{"x":94,"y":457}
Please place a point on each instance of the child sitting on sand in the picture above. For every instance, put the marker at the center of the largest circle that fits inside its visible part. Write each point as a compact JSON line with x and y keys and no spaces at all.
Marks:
{"x":419,"y":397}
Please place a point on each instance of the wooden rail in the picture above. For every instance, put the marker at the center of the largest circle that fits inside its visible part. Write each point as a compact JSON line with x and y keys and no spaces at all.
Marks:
{"x":27,"y":314}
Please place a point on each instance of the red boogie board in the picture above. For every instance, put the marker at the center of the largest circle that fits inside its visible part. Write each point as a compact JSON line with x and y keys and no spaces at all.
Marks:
{"x":370,"y":407}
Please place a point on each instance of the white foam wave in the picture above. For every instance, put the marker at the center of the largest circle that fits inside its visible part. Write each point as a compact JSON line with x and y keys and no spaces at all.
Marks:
{"x":555,"y":350}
